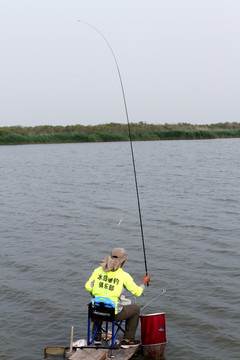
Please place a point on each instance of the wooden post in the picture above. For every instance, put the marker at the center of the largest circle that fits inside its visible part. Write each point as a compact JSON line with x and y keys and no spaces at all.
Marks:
{"x":71,"y":339}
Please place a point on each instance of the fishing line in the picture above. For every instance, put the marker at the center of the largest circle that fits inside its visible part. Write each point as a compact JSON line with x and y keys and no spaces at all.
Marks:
{"x":162,"y":292}
{"x":130,"y":139}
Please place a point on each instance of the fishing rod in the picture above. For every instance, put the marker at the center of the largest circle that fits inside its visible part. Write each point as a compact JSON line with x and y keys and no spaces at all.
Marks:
{"x":130,"y":138}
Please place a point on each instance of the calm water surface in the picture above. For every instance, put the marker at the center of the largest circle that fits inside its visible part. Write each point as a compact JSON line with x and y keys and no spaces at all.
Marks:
{"x":59,"y":210}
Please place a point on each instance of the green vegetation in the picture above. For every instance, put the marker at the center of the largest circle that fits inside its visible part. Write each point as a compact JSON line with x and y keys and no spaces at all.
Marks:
{"x":15,"y":135}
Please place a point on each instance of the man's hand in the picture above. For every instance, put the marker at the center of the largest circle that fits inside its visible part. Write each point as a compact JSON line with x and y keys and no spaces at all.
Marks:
{"x":146,"y":279}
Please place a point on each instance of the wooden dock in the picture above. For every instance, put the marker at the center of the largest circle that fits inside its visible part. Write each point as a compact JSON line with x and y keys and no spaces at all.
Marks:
{"x":90,"y":353}
{"x":102,"y":354}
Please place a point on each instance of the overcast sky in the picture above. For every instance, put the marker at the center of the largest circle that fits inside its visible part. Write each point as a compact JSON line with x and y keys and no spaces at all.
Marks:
{"x":179,"y":61}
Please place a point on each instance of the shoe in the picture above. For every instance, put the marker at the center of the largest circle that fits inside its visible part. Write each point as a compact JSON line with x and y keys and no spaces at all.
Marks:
{"x":125,"y":343}
{"x":97,"y":342}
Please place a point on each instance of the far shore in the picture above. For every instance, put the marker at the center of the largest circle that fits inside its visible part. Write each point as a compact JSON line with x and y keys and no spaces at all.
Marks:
{"x":47,"y":134}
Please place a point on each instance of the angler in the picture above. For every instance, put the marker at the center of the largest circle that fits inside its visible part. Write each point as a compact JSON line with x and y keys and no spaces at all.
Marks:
{"x":109,"y":280}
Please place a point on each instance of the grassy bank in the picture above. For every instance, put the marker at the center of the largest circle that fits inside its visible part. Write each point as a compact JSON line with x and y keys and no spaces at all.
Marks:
{"x":47,"y":134}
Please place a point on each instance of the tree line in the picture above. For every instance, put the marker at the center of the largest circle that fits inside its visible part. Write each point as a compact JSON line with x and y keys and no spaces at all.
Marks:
{"x":15,"y":135}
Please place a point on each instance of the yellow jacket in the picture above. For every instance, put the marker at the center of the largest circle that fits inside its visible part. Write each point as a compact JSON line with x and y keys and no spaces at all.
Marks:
{"x":111,"y":284}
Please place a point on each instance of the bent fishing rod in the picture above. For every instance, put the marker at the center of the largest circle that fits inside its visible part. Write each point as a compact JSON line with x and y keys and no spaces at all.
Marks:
{"x":130,"y":137}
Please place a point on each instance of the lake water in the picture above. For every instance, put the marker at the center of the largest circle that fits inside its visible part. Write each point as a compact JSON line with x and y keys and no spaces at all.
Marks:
{"x":60,"y":209}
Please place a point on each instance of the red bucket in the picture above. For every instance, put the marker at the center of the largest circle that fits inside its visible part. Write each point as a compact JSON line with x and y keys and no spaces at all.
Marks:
{"x":153,"y":334}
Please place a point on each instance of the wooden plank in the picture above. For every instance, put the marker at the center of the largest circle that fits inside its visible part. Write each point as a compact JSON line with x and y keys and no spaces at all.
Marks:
{"x":125,"y":354}
{"x":90,"y":354}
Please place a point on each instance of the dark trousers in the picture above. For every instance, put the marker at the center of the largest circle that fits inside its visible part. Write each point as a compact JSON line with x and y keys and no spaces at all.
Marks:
{"x":130,"y":313}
